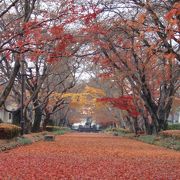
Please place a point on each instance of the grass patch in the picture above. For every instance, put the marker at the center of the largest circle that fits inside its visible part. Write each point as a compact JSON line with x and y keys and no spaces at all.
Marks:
{"x":168,"y":139}
{"x":59,"y":132}
{"x":57,"y":128}
{"x":170,"y":143}
{"x":118,"y":131}
{"x":150,"y":139}
{"x":167,"y":142}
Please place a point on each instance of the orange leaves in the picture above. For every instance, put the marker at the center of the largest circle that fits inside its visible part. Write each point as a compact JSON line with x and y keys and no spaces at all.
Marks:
{"x":170,"y":14}
{"x":94,"y":91}
{"x":122,"y":102}
{"x":141,"y":18}
{"x":69,"y":37}
{"x":97,"y":28}
{"x":170,"y":56}
{"x":29,"y":26}
{"x":105,"y":76}
{"x":172,"y":18}
{"x":175,"y":11}
{"x":89,"y":156}
{"x":20,"y":43}
{"x":91,"y":16}
{"x":57,"y":31}
{"x":44,"y":36}
{"x":87,"y":98}
{"x":35,"y":54}
{"x":62,"y":40}
{"x":38,"y":38}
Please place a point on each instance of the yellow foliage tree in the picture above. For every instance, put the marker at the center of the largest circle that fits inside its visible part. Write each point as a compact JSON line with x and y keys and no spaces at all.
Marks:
{"x":86,"y":100}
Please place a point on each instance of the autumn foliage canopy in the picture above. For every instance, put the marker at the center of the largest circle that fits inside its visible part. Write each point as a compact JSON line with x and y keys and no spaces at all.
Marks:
{"x":123,"y":103}
{"x":135,"y":44}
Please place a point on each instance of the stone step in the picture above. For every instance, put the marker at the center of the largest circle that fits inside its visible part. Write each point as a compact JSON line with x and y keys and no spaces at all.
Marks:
{"x":49,"y":138}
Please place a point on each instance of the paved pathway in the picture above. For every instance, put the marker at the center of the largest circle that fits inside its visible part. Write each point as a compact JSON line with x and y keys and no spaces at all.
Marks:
{"x":89,"y":156}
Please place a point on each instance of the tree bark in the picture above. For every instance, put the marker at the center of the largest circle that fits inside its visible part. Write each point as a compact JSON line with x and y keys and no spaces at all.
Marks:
{"x":10,"y":84}
{"x":148,"y":126}
{"x":159,"y":113}
{"x":135,"y":125}
{"x":129,"y":123}
{"x":38,"y":117}
{"x":46,"y":120}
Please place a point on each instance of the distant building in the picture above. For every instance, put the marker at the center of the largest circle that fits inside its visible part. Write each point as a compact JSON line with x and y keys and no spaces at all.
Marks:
{"x":5,"y":116}
{"x":174,"y":118}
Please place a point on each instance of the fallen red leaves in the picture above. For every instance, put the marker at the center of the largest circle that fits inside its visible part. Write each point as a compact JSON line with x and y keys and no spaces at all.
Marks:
{"x":90,"y":156}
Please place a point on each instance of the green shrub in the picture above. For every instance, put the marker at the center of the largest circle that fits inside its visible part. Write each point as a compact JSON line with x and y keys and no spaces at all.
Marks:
{"x":23,"y":141}
{"x":8,"y":131}
{"x":174,"y":126}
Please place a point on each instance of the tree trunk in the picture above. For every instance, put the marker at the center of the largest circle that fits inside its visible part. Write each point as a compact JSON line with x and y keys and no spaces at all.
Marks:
{"x":155,"y":121}
{"x":159,"y":112}
{"x":163,"y":116}
{"x":149,"y":104}
{"x":16,"y":115}
{"x":46,"y":120}
{"x":28,"y":123}
{"x":135,"y":125}
{"x":10,"y":84}
{"x":148,"y":126}
{"x":129,"y":123}
{"x":37,"y":118}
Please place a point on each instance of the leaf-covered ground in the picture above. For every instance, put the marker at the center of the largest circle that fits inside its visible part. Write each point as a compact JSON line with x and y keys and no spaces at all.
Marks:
{"x":89,"y":156}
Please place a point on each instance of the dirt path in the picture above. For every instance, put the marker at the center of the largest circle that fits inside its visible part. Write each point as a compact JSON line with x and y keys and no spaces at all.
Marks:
{"x":90,"y":156}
